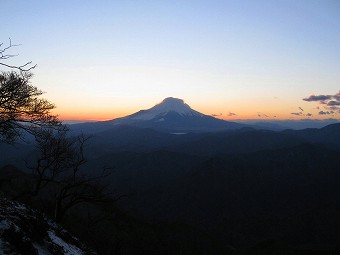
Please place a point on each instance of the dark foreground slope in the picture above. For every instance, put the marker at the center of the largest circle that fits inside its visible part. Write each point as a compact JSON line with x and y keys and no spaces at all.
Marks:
{"x":101,"y":225}
{"x":27,"y":231}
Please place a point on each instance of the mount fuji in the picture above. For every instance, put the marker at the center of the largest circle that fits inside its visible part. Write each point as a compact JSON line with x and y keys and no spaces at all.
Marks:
{"x":172,"y":115}
{"x":168,"y":105}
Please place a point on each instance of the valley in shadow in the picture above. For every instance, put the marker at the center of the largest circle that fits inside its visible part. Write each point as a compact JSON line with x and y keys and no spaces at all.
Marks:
{"x":240,"y":191}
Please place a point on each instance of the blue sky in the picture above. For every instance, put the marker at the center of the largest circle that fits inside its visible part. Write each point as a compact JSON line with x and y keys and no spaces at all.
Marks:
{"x":104,"y":59}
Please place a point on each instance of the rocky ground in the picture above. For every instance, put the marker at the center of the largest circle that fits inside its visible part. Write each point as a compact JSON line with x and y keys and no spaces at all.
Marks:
{"x":29,"y":232}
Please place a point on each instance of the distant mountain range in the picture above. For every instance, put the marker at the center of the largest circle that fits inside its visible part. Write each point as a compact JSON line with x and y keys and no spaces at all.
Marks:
{"x":173,"y":115}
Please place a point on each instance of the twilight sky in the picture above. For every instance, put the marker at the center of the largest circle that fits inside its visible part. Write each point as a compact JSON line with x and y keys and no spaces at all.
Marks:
{"x":242,"y":59}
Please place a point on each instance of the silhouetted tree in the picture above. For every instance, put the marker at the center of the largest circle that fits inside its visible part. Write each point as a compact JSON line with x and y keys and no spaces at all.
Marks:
{"x":59,"y":167}
{"x":21,"y":107}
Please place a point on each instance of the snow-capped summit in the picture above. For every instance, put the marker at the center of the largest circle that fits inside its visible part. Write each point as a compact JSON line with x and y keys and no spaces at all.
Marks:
{"x":169,"y":104}
{"x":172,"y":115}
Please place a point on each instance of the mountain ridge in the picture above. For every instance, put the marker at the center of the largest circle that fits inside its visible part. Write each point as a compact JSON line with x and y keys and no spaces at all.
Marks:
{"x":169,"y":104}
{"x":172,"y":115}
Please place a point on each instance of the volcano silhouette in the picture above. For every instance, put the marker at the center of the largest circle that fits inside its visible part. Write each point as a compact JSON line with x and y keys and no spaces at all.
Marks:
{"x":174,"y":115}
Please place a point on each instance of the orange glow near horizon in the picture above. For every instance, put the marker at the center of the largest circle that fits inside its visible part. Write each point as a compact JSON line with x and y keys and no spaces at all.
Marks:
{"x":269,"y":108}
{"x":229,"y":59}
{"x":87,"y":116}
{"x":276,"y":112}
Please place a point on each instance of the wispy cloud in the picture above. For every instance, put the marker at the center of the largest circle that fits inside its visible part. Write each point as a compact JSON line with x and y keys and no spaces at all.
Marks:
{"x":314,"y":98}
{"x":330,"y":102}
{"x":297,"y":113}
{"x":333,"y":103}
{"x":325,"y":113}
{"x":301,"y":113}
{"x":262,"y":115}
{"x":232,"y":114}
{"x":216,"y":115}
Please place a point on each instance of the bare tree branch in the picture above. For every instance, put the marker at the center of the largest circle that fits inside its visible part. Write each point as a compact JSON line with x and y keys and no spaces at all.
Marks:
{"x":4,"y":56}
{"x":59,"y":167}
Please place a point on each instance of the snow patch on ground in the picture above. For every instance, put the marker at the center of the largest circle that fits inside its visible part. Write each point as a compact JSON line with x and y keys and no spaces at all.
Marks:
{"x":69,"y":249}
{"x":167,"y":105}
{"x":27,"y":231}
{"x":4,"y":225}
{"x":41,"y":250}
